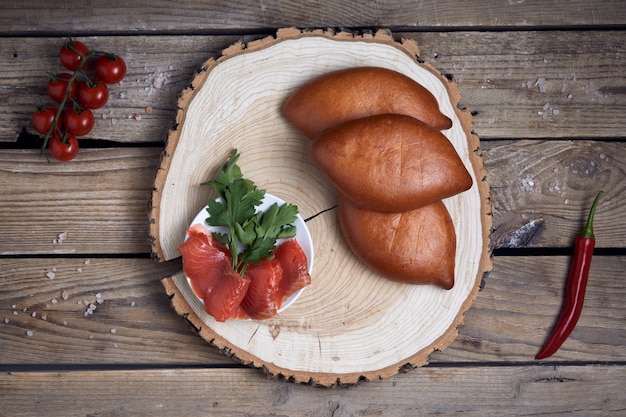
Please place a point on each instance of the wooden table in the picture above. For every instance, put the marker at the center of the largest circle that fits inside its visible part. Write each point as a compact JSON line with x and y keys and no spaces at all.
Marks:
{"x":545,"y":83}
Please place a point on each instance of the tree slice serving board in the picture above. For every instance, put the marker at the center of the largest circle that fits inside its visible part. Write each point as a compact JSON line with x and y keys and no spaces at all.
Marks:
{"x":350,"y":324}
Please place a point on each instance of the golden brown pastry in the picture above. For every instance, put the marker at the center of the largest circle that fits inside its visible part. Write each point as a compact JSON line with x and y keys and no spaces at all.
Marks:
{"x":352,"y":93}
{"x":390,"y":162}
{"x":413,"y":247}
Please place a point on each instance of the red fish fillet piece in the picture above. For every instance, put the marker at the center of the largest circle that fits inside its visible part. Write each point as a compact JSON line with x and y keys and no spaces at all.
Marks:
{"x":261,"y":301}
{"x":222,"y":300}
{"x":204,"y":259}
{"x":295,"y":270}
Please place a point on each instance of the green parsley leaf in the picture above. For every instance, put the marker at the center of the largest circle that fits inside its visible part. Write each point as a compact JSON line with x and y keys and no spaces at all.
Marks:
{"x":252,"y":235}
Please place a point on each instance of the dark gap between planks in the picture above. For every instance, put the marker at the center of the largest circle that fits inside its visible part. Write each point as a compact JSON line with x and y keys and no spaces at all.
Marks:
{"x":251,"y":31}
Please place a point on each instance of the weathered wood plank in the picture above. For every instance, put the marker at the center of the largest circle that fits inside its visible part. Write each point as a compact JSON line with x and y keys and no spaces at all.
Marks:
{"x":49,"y":321}
{"x":155,"y":76}
{"x":527,"y":390}
{"x":542,"y":191}
{"x":196,"y":15}
{"x":518,"y":84}
{"x":100,"y":200}
{"x":520,"y":302}
{"x":135,"y":324}
{"x":535,"y":84}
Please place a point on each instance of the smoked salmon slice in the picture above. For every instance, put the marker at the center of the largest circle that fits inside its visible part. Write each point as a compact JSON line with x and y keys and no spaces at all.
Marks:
{"x":258,"y":294}
{"x":208,"y":266}
{"x":204,"y":259}
{"x":222,"y":300}
{"x":295,"y":269}
{"x":261,"y":301}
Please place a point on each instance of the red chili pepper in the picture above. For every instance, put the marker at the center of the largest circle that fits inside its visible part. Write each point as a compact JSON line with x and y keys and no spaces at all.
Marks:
{"x":576,"y":286}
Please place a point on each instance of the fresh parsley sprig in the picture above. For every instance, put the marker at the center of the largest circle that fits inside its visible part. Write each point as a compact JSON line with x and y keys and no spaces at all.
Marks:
{"x":252,"y":235}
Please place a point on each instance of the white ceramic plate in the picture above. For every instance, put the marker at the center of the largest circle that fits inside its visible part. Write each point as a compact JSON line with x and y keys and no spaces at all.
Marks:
{"x":302,"y":236}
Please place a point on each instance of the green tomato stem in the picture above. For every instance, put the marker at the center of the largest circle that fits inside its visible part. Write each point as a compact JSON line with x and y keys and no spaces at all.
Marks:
{"x":59,"y":112}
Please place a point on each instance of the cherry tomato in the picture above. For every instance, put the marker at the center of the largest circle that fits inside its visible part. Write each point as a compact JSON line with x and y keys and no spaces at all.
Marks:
{"x":42,"y":120}
{"x":63,"y":149}
{"x":58,"y":85}
{"x":93,"y":94}
{"x":79,"y":121}
{"x":110,"y":68}
{"x":71,"y":54}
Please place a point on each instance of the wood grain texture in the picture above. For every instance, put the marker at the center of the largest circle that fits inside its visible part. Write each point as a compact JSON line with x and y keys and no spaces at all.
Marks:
{"x":526,"y":69}
{"x":196,"y":15}
{"x":508,"y":321}
{"x":557,"y":84}
{"x":156,"y":73}
{"x":334,"y":340}
{"x":535,"y":84}
{"x":100,"y":201}
{"x":115,"y":307}
{"x":546,"y":188}
{"x":541,"y":189}
{"x":526,"y":390}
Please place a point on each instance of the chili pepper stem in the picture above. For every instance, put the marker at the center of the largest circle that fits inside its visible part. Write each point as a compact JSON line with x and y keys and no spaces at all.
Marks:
{"x":588,"y":229}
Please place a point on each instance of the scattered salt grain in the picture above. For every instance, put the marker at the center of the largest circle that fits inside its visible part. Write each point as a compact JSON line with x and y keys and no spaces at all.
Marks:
{"x":528,"y":184}
{"x":65,"y":295}
{"x":14,"y":312}
{"x":132,"y":304}
{"x":79,"y":269}
{"x":90,"y":337}
{"x":6,"y":320}
{"x":13,"y":306}
{"x":113,"y":331}
{"x":540,"y":84}
{"x":60,"y":238}
{"x":65,"y":323}
{"x":44,"y":317}
{"x":122,"y":95}
{"x":87,"y":261}
{"x":29,"y":333}
{"x":90,"y":309}
{"x":51,"y":275}
{"x":115,"y":345}
{"x":113,"y":121}
{"x":33,"y":314}
{"x":54,"y":301}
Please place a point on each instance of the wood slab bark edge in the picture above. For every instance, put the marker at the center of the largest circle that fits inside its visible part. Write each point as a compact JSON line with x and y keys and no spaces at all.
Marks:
{"x":178,"y":301}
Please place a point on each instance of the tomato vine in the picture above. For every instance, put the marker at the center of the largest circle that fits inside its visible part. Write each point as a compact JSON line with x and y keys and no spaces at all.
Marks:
{"x":76,"y":94}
